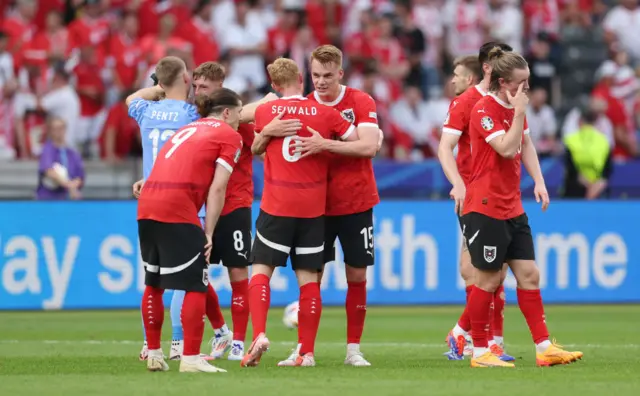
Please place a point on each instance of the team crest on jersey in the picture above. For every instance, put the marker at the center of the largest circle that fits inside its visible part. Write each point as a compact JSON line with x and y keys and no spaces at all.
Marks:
{"x":489,"y":253}
{"x":349,"y":115}
{"x":236,"y":157}
{"x":487,"y":123}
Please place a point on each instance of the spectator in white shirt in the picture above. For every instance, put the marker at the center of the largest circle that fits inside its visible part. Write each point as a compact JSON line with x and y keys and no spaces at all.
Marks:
{"x":246,"y":41}
{"x":542,"y":124}
{"x":506,"y":23}
{"x":6,"y":61}
{"x":411,"y":115}
{"x":622,"y":24}
{"x":465,"y":21}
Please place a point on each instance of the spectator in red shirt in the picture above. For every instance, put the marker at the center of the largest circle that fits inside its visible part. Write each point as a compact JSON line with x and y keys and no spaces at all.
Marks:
{"x":91,"y":28}
{"x":91,"y":91}
{"x":200,"y":33}
{"x":120,"y":137}
{"x":20,"y":28}
{"x":52,"y":42}
{"x":155,"y":47}
{"x":281,"y":36}
{"x":126,"y":54}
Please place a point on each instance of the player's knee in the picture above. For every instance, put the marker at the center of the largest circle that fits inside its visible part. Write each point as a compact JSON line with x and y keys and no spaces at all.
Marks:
{"x":487,"y":280}
{"x":355,"y":275}
{"x":306,"y":276}
{"x":238,"y":274}
{"x":262,"y":269}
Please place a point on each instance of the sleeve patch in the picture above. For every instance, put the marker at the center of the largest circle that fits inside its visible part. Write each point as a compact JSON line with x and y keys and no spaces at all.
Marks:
{"x":487,"y":123}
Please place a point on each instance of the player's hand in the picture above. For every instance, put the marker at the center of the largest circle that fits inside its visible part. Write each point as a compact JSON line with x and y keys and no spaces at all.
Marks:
{"x":520,"y":100}
{"x":279,"y":127}
{"x":74,"y":194}
{"x":269,"y":97}
{"x":458,"y":192}
{"x":137,"y":188}
{"x":309,"y":145}
{"x":541,"y":194}
{"x":207,"y":249}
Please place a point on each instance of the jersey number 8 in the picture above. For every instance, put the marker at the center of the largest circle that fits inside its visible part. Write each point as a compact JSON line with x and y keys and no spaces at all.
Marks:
{"x":180,"y":138}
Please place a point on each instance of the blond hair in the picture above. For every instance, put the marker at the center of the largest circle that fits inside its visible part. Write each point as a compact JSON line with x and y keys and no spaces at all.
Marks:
{"x":472,"y":64}
{"x":211,"y":71}
{"x":326,"y":54}
{"x":283,"y":72}
{"x":503,"y":63}
{"x":169,"y":69}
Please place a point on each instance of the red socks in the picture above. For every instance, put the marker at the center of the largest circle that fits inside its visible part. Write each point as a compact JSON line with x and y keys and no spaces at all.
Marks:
{"x":498,"y":311}
{"x":193,"y":311}
{"x":214,"y":313}
{"x":465,"y":322}
{"x":479,"y":307}
{"x":239,"y":309}
{"x":259,"y":300}
{"x":356,"y":307}
{"x":309,"y":316}
{"x":152,"y":315}
{"x":530,"y":302}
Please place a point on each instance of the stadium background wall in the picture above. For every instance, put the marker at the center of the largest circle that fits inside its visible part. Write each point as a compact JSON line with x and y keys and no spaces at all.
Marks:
{"x":84,"y":255}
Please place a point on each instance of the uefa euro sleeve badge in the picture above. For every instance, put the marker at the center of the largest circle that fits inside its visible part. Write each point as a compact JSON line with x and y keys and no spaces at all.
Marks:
{"x":487,"y":123}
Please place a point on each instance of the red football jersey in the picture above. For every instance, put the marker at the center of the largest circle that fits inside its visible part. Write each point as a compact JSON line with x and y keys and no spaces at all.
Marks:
{"x":494,"y":189}
{"x":180,"y":179}
{"x":352,"y":184}
{"x":457,"y":123}
{"x":240,"y":187}
{"x":295,"y":187}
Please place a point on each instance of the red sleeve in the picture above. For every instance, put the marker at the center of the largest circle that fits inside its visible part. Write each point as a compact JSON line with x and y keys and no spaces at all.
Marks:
{"x":247,"y":133}
{"x":339,"y":126}
{"x":488,"y":123}
{"x":259,"y":121}
{"x":456,"y":118}
{"x":365,"y":110}
{"x":230,"y":148}
{"x":616,"y":113}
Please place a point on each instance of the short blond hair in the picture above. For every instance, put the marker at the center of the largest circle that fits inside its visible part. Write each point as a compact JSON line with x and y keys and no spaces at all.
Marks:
{"x":326,"y":54}
{"x":212,"y":71}
{"x":283,"y":72}
{"x":169,"y":69}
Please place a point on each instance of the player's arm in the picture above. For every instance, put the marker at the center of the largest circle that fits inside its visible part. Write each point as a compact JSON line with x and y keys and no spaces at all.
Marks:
{"x":363,"y":143}
{"x":215,"y":199}
{"x":508,"y":144}
{"x":248,"y":113}
{"x":277,"y":127}
{"x":532,"y":165}
{"x":448,"y":142}
{"x":151,"y":93}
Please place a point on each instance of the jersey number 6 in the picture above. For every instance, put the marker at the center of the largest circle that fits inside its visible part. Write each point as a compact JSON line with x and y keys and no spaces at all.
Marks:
{"x":180,"y":138}
{"x":286,"y":147}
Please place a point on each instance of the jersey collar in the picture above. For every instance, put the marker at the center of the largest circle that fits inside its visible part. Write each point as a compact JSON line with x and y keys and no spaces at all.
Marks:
{"x":299,"y":97}
{"x":480,"y":90}
{"x":343,"y":90}
{"x":501,"y":102}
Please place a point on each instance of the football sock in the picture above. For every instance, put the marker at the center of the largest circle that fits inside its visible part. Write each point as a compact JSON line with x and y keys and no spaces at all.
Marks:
{"x":153,"y":315}
{"x":259,"y":300}
{"x":479,"y":309}
{"x":176,"y":307}
{"x":214,"y":313}
{"x":464,"y":323}
{"x":498,"y":313}
{"x":356,"y":307}
{"x":144,"y":333}
{"x":193,"y":311}
{"x":542,"y":347}
{"x":530,"y":303}
{"x":490,"y":327}
{"x":309,"y":316}
{"x":239,"y":309}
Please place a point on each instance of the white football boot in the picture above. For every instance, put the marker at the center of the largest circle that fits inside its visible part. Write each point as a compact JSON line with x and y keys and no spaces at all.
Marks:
{"x":221,"y":344}
{"x":155,"y":361}
{"x":307,"y":360}
{"x":291,"y":360}
{"x":237,"y":351}
{"x":177,"y":346}
{"x":144,"y":352}
{"x":197,"y":364}
{"x":355,"y":357}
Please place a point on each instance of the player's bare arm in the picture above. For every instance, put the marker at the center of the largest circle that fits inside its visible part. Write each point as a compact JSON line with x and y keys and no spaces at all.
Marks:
{"x":276,"y":128}
{"x":249,"y":111}
{"x":448,"y":142}
{"x":137,"y":188}
{"x":215,"y":202}
{"x":532,"y":165}
{"x":151,"y":93}
{"x":507,"y":145}
{"x":364,"y":143}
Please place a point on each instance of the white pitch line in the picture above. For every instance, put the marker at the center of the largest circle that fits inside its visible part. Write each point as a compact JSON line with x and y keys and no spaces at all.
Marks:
{"x":292,"y":343}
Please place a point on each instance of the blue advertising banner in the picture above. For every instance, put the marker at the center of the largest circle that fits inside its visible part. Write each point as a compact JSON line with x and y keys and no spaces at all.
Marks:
{"x":84,"y":255}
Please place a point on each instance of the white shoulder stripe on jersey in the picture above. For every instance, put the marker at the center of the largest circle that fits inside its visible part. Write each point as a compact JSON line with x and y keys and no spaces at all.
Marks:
{"x":494,"y":135}
{"x":368,"y":124}
{"x":225,"y":165}
{"x":451,"y":131}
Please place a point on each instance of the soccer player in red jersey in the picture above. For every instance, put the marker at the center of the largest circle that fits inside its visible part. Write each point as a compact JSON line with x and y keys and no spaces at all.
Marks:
{"x":291,"y":220}
{"x":495,"y":225}
{"x":232,"y":237}
{"x":455,"y":132}
{"x":352,"y":192}
{"x":193,"y":167}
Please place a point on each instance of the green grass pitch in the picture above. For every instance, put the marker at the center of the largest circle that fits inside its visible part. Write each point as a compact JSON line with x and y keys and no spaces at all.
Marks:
{"x":96,"y":353}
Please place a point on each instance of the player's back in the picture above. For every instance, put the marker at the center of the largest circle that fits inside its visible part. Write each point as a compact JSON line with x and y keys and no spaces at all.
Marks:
{"x":352,"y":185}
{"x":240,"y":188}
{"x":494,"y":188}
{"x":295,"y":186}
{"x":457,"y":123}
{"x":179,"y":181}
{"x":159,"y":121}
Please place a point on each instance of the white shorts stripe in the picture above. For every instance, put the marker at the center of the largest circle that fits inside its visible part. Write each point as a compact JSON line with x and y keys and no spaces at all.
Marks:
{"x":152,"y":268}
{"x":173,"y":270}
{"x":310,"y":250}
{"x":494,"y":135}
{"x":273,"y":245}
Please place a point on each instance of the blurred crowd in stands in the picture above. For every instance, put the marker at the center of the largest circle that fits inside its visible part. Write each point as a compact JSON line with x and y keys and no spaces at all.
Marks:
{"x":77,"y":59}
